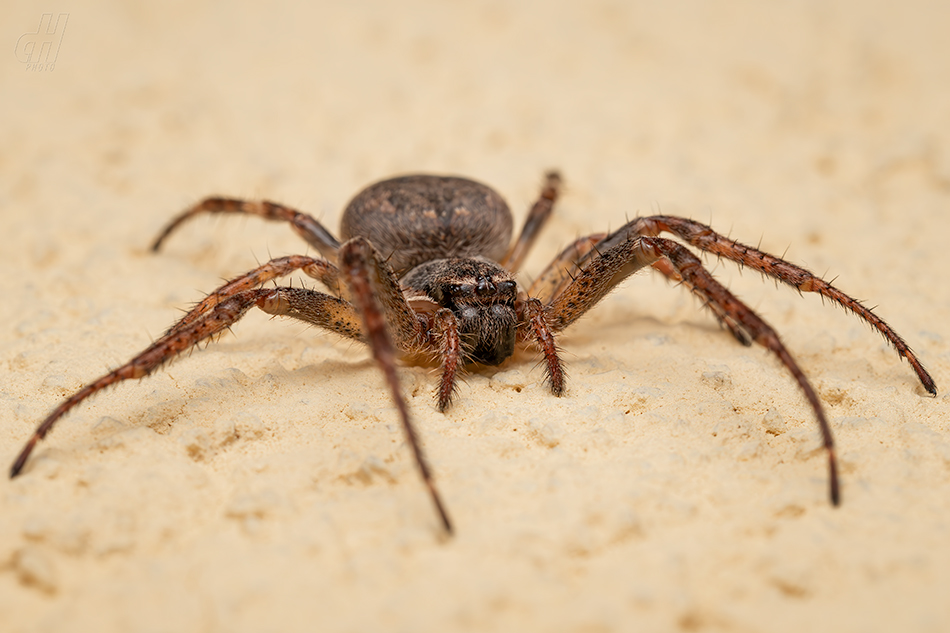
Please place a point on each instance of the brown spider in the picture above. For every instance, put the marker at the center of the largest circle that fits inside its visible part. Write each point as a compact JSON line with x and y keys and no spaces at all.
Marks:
{"x":425,"y":267}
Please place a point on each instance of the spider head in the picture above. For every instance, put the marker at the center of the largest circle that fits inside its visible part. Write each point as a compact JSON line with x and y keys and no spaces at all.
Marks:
{"x":484,"y":307}
{"x":482,"y":295}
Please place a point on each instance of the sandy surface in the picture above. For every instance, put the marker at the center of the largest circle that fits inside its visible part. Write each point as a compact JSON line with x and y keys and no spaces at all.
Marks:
{"x":263,"y":484}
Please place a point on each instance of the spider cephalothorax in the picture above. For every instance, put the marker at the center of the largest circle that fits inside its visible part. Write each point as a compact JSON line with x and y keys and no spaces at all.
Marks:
{"x":426,"y":266}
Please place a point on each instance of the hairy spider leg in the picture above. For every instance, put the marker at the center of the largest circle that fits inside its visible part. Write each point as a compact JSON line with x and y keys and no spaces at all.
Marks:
{"x":537,"y":218}
{"x":319,"y":269}
{"x":557,"y":274}
{"x":601,"y":273}
{"x":446,"y":332}
{"x":305,"y":225}
{"x":157,"y":354}
{"x":204,"y":323}
{"x":535,"y":323}
{"x":706,"y":239}
{"x":666,"y":267}
{"x":386,"y":315}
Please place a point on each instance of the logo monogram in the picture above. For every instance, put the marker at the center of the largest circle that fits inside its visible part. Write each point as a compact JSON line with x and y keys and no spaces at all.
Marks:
{"x":39,"y":50}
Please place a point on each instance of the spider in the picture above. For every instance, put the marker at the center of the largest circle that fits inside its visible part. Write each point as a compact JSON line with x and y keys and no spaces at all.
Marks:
{"x":425,"y":267}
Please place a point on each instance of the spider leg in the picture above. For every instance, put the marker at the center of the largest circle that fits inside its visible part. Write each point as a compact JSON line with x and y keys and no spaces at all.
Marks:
{"x":666,"y":267}
{"x":446,"y":329}
{"x":387,"y":318}
{"x":232,"y":301}
{"x":319,"y":269}
{"x":157,"y":354}
{"x":305,"y":225}
{"x":316,"y":308}
{"x":558,"y":273}
{"x":537,"y":218}
{"x":536,"y":319}
{"x":705,"y":238}
{"x":601,"y":274}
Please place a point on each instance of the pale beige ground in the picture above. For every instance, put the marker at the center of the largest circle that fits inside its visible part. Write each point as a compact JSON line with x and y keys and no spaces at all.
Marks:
{"x":263,"y":484}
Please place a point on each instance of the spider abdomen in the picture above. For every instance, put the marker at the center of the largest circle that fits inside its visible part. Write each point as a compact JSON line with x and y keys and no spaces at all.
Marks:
{"x":415,"y":219}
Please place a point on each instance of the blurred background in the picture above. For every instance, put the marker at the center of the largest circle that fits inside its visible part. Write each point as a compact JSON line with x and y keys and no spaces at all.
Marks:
{"x":818,"y":127}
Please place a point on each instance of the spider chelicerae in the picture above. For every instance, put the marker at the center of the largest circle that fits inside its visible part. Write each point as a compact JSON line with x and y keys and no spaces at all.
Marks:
{"x":425,"y":266}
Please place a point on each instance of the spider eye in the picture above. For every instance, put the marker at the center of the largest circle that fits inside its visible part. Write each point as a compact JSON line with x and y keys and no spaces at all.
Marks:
{"x":457,"y":290}
{"x":505,"y":286}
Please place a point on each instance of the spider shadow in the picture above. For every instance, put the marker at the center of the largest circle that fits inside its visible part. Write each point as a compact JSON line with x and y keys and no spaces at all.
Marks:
{"x":619,"y":324}
{"x":226,"y":392}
